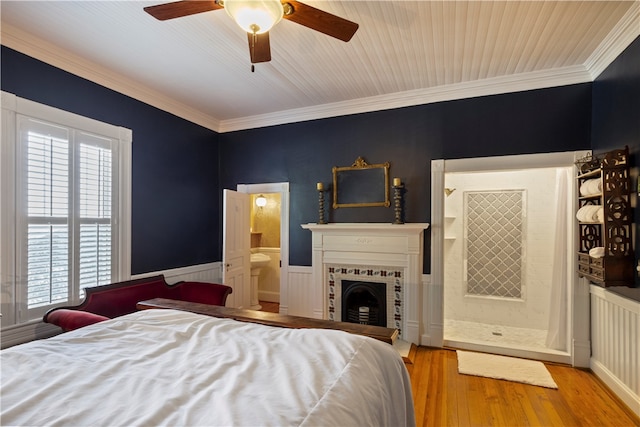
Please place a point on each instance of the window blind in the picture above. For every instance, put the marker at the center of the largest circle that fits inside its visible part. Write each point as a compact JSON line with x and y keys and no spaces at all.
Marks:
{"x":65,"y":215}
{"x":69,"y":203}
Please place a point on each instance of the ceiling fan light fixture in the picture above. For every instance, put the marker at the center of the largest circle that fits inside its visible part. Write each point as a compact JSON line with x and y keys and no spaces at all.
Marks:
{"x":255,"y":16}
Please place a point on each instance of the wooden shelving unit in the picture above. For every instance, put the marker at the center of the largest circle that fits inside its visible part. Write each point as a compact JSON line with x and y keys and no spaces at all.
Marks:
{"x":614,"y":232}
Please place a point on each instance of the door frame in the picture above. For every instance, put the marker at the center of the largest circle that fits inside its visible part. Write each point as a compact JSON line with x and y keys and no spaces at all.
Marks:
{"x":283,"y":189}
{"x":580,"y":347}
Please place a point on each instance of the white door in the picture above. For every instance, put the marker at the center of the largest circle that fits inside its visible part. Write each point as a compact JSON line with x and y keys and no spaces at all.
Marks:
{"x":236,"y":245}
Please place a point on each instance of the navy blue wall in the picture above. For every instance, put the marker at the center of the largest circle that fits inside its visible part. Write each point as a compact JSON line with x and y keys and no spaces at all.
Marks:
{"x":175,"y":206}
{"x":547,"y":120}
{"x":616,"y":112}
{"x":176,"y":196}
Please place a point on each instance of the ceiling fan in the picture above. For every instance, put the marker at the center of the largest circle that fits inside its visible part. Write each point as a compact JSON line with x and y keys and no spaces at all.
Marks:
{"x":257,"y":17}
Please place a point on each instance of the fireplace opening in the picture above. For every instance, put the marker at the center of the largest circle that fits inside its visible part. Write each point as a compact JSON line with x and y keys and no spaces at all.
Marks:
{"x":364,"y":302}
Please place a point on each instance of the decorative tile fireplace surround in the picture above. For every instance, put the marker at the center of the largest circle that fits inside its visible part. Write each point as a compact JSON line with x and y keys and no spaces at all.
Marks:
{"x":370,"y":252}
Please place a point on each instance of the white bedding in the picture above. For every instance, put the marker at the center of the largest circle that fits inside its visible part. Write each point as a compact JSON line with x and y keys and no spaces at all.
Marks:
{"x":166,"y":367}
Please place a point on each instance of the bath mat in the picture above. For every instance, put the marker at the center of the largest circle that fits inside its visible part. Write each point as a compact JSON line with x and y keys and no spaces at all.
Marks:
{"x":505,"y":368}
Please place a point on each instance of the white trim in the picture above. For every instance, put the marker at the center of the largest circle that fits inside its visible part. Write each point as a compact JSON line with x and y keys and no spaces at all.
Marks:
{"x":620,"y":389}
{"x":371,"y":246}
{"x":492,"y":86}
{"x":618,"y":39}
{"x":210,"y":272}
{"x":29,"y":331}
{"x":579,"y":329}
{"x":124,"y":205}
{"x":615,"y":329}
{"x":7,"y":205}
{"x":44,"y":51}
{"x":622,"y":35}
{"x":14,"y":107}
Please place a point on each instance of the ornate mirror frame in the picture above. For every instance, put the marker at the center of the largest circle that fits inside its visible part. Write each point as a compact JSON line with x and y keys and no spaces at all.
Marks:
{"x":361,"y":185}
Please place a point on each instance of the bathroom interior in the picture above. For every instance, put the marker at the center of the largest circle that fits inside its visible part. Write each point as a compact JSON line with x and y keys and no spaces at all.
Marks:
{"x":265,"y":250}
{"x":506,"y":281}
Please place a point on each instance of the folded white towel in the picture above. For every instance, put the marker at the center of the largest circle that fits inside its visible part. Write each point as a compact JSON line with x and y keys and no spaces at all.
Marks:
{"x":591,"y":187}
{"x":595,"y":186}
{"x":597,"y":252}
{"x":600,"y":215}
{"x":588,"y":213}
{"x":584,"y":190}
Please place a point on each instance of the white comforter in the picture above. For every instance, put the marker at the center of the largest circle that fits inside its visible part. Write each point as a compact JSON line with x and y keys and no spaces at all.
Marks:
{"x":166,"y":367}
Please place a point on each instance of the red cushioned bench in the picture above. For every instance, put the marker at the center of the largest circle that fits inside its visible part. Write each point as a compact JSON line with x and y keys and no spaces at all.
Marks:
{"x":117,"y":299}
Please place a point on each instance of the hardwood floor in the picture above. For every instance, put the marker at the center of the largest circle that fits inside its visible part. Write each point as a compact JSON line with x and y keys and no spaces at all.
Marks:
{"x":271,"y":307}
{"x":442,"y":397}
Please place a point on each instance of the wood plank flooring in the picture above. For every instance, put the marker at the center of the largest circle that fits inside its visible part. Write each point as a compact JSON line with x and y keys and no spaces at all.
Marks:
{"x":442,"y":397}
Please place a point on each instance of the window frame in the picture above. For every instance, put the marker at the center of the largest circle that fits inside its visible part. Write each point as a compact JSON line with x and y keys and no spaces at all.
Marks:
{"x":12,"y":221}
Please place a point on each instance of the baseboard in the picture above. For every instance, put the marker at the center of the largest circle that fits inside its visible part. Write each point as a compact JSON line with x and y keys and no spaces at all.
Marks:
{"x":20,"y":334}
{"x":411,"y":357}
{"x":624,"y":393}
{"x":269,"y":296}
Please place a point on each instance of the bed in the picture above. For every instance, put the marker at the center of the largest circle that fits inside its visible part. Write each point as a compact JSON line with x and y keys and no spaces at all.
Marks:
{"x":169,"y":367}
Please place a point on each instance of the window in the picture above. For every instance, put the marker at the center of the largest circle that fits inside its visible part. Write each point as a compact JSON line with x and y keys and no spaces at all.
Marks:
{"x":68,"y":219}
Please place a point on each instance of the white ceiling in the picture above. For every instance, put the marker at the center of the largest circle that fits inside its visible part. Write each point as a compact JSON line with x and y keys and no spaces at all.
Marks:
{"x":404,"y":53}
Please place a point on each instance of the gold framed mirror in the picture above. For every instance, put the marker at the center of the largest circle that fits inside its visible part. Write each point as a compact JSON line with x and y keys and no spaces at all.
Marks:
{"x":361,"y":185}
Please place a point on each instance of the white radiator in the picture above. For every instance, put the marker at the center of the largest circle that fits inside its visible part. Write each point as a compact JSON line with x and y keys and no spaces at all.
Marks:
{"x":615,"y":344}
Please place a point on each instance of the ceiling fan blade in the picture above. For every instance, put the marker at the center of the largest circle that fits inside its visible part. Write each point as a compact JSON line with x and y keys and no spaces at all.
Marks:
{"x":178,"y":9}
{"x":259,"y":47}
{"x":321,"y":21}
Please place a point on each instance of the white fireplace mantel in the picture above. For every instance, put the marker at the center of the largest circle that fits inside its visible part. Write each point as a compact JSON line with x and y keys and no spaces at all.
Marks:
{"x":372,"y":245}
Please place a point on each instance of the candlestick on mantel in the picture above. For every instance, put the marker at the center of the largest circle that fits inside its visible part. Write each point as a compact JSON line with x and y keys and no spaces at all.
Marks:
{"x":398,"y":201}
{"x":320,"y":188}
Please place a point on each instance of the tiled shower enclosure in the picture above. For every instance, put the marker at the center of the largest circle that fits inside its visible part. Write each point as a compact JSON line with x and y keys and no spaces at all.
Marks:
{"x":499,"y":244}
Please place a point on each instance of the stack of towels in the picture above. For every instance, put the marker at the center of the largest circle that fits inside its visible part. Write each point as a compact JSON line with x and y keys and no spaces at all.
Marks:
{"x":590,"y":213}
{"x":591,"y":187}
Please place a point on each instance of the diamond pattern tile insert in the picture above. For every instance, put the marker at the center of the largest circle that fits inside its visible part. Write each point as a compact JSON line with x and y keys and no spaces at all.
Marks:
{"x":494,"y":243}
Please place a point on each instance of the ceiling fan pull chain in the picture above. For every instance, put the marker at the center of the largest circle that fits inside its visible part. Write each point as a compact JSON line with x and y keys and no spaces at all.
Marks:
{"x":253,"y":49}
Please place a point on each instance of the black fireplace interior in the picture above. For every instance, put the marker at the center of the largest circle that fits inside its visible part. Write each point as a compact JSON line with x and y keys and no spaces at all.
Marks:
{"x":364,"y":302}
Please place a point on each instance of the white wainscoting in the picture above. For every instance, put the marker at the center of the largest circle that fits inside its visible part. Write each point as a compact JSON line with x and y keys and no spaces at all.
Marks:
{"x":300,"y":300}
{"x":615,"y":344}
{"x":211,"y":272}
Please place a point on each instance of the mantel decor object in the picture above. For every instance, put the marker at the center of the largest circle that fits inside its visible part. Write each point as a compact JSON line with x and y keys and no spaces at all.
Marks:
{"x":398,"y":189}
{"x":320,"y":188}
{"x":361,"y":185}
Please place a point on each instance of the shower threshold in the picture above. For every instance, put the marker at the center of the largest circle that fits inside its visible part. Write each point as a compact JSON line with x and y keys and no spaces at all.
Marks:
{"x":504,"y":340}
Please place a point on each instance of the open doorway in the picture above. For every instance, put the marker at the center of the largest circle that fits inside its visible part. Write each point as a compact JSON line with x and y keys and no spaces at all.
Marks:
{"x":270,"y":208}
{"x":577,"y":305}
{"x":501,"y":242}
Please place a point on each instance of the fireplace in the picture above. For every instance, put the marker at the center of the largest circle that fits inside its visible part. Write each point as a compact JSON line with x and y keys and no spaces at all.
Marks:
{"x":364,"y":303}
{"x":387,"y":254}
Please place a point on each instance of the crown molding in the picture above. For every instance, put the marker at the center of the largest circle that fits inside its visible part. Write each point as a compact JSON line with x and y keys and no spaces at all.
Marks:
{"x":622,"y":35}
{"x":492,"y":86}
{"x":51,"y":54}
